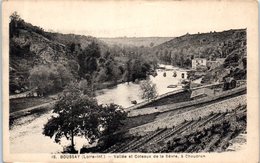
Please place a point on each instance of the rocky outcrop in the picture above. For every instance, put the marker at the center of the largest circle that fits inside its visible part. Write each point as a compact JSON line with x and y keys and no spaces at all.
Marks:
{"x":31,"y":46}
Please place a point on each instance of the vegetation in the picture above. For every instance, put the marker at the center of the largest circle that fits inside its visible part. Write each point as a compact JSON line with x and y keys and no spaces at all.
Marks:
{"x":77,"y":114}
{"x":49,"y":78}
{"x":229,"y":45}
{"x":81,"y":57}
{"x":148,"y":89}
{"x":87,"y":59}
{"x":203,"y":45}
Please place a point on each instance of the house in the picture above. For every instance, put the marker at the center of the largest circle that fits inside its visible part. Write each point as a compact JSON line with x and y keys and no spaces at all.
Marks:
{"x":198,"y":62}
{"x":203,"y":92}
{"x":182,"y":74}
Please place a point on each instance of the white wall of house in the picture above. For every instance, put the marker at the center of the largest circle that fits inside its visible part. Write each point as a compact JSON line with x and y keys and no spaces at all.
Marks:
{"x":182,"y":74}
{"x":198,"y":62}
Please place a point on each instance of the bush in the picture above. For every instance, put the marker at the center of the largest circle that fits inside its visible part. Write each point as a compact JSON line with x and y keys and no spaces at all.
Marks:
{"x":149,"y":91}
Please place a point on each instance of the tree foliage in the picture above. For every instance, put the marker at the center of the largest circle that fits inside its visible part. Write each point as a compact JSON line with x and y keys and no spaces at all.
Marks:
{"x":85,"y":87}
{"x":77,"y":114}
{"x":137,"y":68}
{"x":87,"y":59}
{"x":14,"y":20}
{"x":49,"y":78}
{"x":16,"y":23}
{"x":181,"y":50}
{"x":149,"y":91}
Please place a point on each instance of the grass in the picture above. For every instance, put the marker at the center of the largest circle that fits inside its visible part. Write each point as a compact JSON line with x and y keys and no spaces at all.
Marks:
{"x":132,"y":122}
{"x":175,"y":98}
{"x":24,"y":103}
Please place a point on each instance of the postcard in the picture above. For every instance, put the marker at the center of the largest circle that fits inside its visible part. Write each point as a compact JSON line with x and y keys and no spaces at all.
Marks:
{"x":130,"y":81}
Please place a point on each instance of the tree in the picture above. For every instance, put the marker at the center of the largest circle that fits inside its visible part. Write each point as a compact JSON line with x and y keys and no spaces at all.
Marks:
{"x":128,"y":71}
{"x":73,"y":66}
{"x":88,"y":59}
{"x":77,"y":114}
{"x":102,"y":75}
{"x":148,"y":90}
{"x":85,"y":87}
{"x":64,"y":75}
{"x":40,"y":78}
{"x":49,"y":78}
{"x":88,"y":62}
{"x":14,"y":20}
{"x":112,"y":71}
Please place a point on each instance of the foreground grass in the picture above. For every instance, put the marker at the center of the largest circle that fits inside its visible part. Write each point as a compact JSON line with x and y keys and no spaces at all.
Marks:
{"x":132,"y":122}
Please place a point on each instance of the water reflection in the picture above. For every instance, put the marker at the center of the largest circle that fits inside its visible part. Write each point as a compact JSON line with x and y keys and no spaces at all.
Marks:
{"x":124,"y":93}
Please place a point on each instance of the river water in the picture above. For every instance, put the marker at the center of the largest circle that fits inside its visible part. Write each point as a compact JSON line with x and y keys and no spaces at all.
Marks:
{"x":26,"y":133}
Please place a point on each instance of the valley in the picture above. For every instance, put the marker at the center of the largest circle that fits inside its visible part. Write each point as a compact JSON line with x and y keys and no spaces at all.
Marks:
{"x":184,"y":94}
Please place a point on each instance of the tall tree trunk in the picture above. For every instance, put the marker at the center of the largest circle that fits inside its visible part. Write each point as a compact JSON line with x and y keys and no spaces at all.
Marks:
{"x":72,"y":141}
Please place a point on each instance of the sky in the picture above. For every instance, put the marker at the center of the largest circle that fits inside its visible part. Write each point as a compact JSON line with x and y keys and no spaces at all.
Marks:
{"x":133,"y":18}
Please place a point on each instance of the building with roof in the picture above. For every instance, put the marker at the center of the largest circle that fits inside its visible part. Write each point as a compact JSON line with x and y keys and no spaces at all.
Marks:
{"x":198,"y":62}
{"x":182,"y":74}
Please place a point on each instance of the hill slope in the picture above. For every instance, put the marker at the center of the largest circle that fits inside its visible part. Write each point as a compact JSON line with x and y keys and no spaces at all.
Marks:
{"x":48,"y":61}
{"x":230,"y":45}
{"x":31,"y":46}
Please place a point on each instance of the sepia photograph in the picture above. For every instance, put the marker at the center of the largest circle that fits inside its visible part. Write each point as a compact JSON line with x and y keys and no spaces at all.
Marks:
{"x":120,"y":77}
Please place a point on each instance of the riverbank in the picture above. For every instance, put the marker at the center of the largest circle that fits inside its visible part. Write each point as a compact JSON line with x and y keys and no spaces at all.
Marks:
{"x":189,"y":103}
{"x":145,"y":116}
{"x":106,"y":92}
{"x":107,"y":85}
{"x":38,"y":109}
{"x":19,"y":104}
{"x":174,"y":117}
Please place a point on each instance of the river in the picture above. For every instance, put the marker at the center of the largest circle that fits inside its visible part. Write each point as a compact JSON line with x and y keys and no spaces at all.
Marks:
{"x":26,"y":134}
